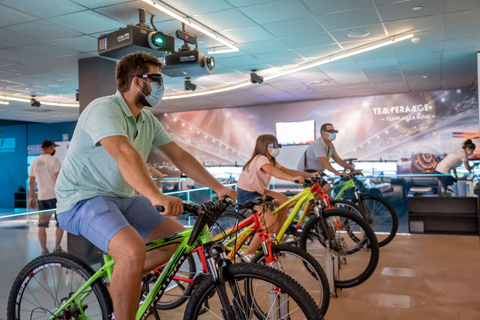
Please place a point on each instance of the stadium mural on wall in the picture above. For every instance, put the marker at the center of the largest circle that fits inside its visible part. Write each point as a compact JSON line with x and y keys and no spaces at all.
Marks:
{"x":417,"y":129}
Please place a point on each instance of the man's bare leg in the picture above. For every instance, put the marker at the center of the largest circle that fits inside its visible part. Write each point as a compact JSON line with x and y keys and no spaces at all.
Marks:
{"x":159,"y":256}
{"x":58,"y":238}
{"x":42,"y":238}
{"x":127,"y":248}
{"x":43,"y":219}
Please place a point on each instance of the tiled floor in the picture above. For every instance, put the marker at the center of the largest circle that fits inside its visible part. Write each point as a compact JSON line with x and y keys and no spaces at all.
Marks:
{"x":418,"y":277}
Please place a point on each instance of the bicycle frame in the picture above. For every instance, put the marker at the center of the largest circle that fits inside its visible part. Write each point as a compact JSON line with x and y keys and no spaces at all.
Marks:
{"x":162,"y":282}
{"x":249,"y":225}
{"x":301,"y":200}
{"x":349,"y":184}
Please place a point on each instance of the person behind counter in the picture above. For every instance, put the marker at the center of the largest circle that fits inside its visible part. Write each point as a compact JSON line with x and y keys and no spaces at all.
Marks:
{"x":452,"y":161}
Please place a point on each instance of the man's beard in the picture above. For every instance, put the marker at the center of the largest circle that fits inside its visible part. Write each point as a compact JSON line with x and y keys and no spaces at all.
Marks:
{"x":140,"y":100}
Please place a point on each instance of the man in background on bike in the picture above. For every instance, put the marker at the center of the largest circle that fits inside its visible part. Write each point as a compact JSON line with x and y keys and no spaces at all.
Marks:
{"x":318,"y":154}
{"x":106,"y":163}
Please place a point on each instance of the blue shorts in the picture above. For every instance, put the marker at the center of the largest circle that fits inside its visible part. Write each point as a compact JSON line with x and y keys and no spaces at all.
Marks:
{"x":99,"y":219}
{"x":243,"y":196}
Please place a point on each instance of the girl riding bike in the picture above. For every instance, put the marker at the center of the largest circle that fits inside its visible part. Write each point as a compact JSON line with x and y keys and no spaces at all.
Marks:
{"x":255,"y":178}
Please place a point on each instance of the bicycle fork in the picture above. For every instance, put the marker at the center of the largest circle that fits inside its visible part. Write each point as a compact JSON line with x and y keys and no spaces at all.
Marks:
{"x":216,"y":261}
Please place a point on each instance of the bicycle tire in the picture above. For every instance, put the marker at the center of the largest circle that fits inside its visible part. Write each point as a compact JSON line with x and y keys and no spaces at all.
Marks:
{"x":186,"y":290}
{"x":349,"y":206}
{"x":313,"y":268}
{"x":240,"y":271}
{"x":40,"y":273}
{"x":382,"y":215}
{"x":367,"y":257}
{"x":359,"y":242}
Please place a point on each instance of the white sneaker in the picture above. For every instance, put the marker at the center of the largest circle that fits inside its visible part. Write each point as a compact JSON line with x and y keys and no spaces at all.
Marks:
{"x":247,"y":257}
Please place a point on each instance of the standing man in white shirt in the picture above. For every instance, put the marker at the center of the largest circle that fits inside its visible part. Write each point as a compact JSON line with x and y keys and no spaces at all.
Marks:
{"x":45,"y":171}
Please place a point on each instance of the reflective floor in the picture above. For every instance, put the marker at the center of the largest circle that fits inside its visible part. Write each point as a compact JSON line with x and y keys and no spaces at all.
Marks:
{"x":418,"y":277}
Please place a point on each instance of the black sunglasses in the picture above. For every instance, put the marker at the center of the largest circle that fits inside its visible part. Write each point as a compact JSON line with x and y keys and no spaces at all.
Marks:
{"x":332,"y":131}
{"x":271,"y":145}
{"x":157,"y":77}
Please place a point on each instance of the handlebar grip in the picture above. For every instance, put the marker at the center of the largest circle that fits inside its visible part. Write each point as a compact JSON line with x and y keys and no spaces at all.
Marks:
{"x":160,"y":208}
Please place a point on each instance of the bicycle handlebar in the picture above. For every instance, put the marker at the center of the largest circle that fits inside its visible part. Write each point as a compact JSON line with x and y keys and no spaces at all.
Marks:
{"x":311,"y":181}
{"x":194,"y":209}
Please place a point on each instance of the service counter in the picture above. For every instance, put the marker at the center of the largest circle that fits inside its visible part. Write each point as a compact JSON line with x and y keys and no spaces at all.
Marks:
{"x":444,"y":215}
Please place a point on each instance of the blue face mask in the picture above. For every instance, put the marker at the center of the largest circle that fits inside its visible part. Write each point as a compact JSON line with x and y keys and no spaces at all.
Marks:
{"x":156,"y":96}
{"x":332,"y":136}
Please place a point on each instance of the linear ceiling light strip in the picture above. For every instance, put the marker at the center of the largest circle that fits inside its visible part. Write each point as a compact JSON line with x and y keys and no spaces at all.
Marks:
{"x":47,"y":103}
{"x":305,"y":67}
{"x":346,"y":55}
{"x":4,"y":102}
{"x":238,"y":86}
{"x":194,"y":26}
{"x":58,"y":104}
{"x":14,"y":99}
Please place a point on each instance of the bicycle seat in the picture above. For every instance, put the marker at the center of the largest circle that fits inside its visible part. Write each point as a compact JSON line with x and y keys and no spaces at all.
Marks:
{"x":258,"y":201}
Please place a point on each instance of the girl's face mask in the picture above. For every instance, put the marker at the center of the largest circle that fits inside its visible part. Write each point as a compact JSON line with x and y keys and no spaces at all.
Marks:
{"x":274,"y":149}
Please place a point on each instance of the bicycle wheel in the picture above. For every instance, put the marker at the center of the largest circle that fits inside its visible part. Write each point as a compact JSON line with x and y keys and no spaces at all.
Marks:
{"x":48,"y":281}
{"x":294,"y":262}
{"x":362,"y":255}
{"x":179,"y":290}
{"x":351,"y":207}
{"x":382,"y":216}
{"x":259,"y":292}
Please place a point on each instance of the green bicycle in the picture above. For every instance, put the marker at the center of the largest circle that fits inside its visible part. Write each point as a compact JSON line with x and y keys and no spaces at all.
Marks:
{"x":377,"y":211}
{"x":61,"y":286}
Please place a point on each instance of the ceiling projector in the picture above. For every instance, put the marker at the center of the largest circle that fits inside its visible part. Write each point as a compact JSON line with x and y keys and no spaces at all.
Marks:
{"x":187,"y":63}
{"x":135,"y":38}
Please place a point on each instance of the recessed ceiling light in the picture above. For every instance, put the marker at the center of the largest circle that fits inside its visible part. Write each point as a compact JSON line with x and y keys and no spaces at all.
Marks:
{"x":417,"y":8}
{"x":317,"y":83}
{"x":358,"y":34}
{"x":424,"y":77}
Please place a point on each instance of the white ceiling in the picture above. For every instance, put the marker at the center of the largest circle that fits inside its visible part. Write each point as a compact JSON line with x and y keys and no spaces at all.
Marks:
{"x":41,"y":42}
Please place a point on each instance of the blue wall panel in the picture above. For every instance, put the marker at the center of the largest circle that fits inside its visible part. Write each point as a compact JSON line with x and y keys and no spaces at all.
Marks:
{"x":13,"y":172}
{"x":51,"y":131}
{"x":13,"y":165}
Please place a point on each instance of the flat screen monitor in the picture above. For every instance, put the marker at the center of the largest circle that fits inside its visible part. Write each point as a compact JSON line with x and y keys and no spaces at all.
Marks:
{"x":296,"y":132}
{"x":225,"y":172}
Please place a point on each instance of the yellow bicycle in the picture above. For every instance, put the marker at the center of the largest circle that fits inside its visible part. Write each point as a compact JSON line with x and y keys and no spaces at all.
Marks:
{"x":322,"y":231}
